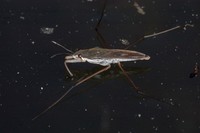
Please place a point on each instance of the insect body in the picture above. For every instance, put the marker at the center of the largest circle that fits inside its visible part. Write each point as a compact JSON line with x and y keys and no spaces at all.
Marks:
{"x":104,"y":57}
{"x":99,"y":56}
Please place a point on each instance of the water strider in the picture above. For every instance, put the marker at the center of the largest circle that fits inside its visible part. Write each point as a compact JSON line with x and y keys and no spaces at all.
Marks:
{"x":104,"y":57}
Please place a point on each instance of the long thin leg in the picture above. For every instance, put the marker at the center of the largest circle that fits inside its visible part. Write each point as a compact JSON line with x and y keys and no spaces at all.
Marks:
{"x":67,"y":92}
{"x":99,"y":36}
{"x":129,"y":79}
{"x":70,"y":73}
{"x":138,"y":90}
{"x":159,"y":33}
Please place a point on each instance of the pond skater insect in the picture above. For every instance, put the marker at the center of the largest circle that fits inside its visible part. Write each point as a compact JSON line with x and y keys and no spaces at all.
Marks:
{"x":104,"y":57}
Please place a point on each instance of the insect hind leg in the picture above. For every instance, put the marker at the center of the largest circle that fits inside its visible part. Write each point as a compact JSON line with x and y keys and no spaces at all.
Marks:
{"x":138,"y":90}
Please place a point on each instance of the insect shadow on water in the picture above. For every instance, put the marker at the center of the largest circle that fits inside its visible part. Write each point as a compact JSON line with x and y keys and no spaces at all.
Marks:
{"x":106,"y":57}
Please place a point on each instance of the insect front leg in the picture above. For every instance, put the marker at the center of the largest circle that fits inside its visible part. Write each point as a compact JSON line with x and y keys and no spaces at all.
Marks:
{"x":70,"y":73}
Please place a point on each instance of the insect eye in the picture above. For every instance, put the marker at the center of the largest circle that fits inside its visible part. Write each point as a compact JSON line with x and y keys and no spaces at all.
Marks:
{"x":79,"y":55}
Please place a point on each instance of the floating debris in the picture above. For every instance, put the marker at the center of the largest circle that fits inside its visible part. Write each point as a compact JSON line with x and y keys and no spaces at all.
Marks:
{"x":22,"y":17}
{"x":124,"y":41}
{"x":46,"y":30}
{"x":139,"y":8}
{"x":195,"y":71}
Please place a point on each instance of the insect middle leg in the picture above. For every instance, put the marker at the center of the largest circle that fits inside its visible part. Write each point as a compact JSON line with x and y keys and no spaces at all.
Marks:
{"x":130,"y":80}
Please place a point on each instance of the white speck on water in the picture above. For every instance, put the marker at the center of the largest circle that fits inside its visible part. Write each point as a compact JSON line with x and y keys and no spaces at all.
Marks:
{"x":22,"y":18}
{"x":92,"y":20}
{"x":41,"y":88}
{"x":168,"y":116}
{"x":140,"y":9}
{"x":198,"y":97}
{"x":76,"y":31}
{"x":176,"y":49}
{"x":152,"y":118}
{"x":46,"y":30}
{"x":171,"y":101}
{"x":76,"y":21}
{"x":155,"y":128}
{"x":124,"y":41}
{"x":139,"y":115}
{"x":18,"y":73}
{"x":31,"y":68}
{"x":69,"y":32}
{"x":86,"y":109}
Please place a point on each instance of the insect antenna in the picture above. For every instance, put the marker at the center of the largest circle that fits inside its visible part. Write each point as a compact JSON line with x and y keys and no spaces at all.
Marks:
{"x":58,"y":54}
{"x":62,"y":47}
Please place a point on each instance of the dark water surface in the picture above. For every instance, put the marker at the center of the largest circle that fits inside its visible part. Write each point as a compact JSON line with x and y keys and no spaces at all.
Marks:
{"x":31,"y":80}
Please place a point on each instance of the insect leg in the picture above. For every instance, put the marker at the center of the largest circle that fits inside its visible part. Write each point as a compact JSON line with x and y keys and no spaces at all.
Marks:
{"x":70,"y":73}
{"x":98,"y":72}
{"x":138,"y":90}
{"x":129,"y":79}
{"x":99,"y":36}
{"x":67,"y":92}
{"x":159,"y":33}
